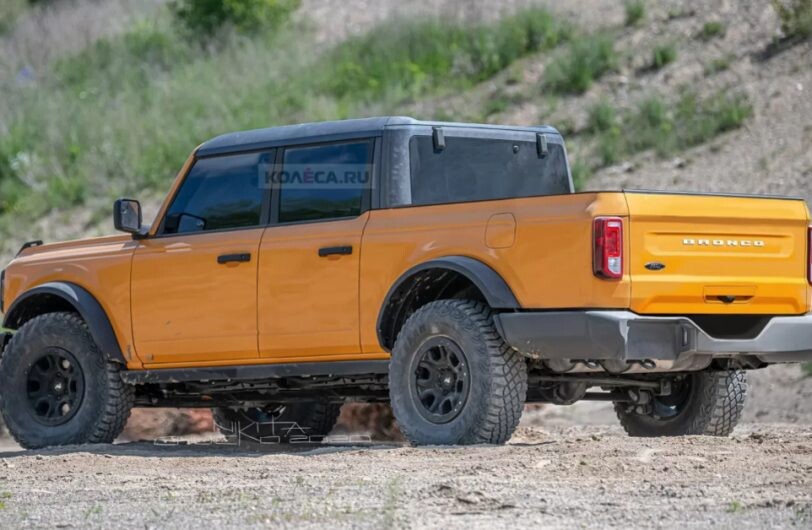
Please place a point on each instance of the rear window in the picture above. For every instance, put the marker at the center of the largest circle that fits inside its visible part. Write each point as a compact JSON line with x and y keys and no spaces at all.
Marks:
{"x":477,"y":169}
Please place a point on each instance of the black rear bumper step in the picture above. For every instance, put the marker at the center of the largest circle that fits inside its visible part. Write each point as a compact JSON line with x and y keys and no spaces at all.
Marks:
{"x":627,"y":336}
{"x":255,"y":372}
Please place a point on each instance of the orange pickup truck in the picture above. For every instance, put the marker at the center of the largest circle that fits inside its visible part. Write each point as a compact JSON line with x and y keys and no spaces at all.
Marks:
{"x":449,"y":269}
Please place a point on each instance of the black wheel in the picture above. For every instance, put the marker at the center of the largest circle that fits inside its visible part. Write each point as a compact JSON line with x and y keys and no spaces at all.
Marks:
{"x":453,"y":380}
{"x":58,"y":389}
{"x":702,"y":403}
{"x":282,"y":423}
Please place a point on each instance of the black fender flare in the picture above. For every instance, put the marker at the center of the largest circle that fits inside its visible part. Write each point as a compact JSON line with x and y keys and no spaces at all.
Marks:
{"x":492,"y":286}
{"x":84,"y":303}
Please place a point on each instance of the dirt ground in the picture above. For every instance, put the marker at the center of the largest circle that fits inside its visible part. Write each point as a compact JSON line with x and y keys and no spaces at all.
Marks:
{"x":565,"y":467}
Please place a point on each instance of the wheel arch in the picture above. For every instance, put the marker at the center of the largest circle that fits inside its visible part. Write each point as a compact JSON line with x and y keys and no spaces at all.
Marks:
{"x":435,"y":279}
{"x":65,"y":296}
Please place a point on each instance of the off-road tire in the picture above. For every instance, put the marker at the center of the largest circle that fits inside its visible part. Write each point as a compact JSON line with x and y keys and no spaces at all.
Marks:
{"x":713,"y":408}
{"x":297,"y":421}
{"x":106,"y":400}
{"x":498,"y":376}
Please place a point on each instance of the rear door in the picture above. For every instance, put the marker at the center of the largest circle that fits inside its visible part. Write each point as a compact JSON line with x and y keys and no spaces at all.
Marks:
{"x":310,"y":255}
{"x":717,"y":254}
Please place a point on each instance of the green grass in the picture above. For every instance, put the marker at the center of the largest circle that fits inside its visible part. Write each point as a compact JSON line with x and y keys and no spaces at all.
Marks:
{"x":711,"y":30}
{"x":635,"y":12}
{"x":585,"y":61}
{"x":120,"y":117}
{"x":795,"y":17}
{"x":602,"y":117}
{"x":806,"y":368}
{"x":10,"y":10}
{"x":718,"y":64}
{"x":409,"y":58}
{"x":662,"y":55}
{"x":667,"y":127}
{"x":580,"y":174}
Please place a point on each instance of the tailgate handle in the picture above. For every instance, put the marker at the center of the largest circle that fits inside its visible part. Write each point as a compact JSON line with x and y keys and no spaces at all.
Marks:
{"x":729,"y":294}
{"x":729,"y":299}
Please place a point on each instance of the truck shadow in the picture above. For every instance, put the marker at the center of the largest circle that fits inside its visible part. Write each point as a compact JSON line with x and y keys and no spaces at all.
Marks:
{"x":176,"y":449}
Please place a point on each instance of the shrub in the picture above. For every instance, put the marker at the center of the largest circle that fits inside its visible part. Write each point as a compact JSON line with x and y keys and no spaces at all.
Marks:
{"x":407,"y":58}
{"x":711,"y":30}
{"x":663,"y":55}
{"x":635,"y":11}
{"x":602,"y":117}
{"x":133,"y":59}
{"x":807,"y":369}
{"x":121,"y":116}
{"x":9,"y":11}
{"x":795,"y":17}
{"x":719,"y":64}
{"x":205,"y":17}
{"x":666,"y":127}
{"x":586,"y":61}
{"x":580,"y":174}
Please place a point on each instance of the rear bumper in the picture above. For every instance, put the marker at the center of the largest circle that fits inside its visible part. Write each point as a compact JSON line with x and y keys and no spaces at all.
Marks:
{"x":627,"y":336}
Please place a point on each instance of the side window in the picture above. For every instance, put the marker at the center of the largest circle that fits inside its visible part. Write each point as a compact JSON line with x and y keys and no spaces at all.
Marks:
{"x":220,"y":193}
{"x":324,"y":181}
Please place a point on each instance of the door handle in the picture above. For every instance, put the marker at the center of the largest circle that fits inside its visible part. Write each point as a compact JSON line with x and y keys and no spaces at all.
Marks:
{"x":233,"y":258}
{"x":335,"y":251}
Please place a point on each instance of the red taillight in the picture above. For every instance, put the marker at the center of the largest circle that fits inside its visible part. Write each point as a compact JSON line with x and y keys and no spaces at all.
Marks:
{"x":608,"y":249}
{"x":809,"y":255}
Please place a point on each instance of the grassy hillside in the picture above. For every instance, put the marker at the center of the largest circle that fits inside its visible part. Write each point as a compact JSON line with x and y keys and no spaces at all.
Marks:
{"x":120,"y":116}
{"x":643,"y":84}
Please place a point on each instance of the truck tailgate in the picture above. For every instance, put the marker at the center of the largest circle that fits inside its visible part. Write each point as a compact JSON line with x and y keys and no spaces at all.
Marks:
{"x":702,"y":254}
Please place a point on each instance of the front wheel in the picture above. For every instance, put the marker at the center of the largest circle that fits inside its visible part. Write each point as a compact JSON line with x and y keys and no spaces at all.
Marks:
{"x":701,"y":403}
{"x":57,"y":387}
{"x":453,"y":380}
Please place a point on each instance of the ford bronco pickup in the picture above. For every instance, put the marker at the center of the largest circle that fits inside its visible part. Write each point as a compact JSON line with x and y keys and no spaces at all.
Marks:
{"x":449,"y":269}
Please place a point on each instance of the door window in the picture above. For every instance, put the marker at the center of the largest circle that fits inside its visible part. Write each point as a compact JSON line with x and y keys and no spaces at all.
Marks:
{"x":324,"y":181}
{"x":220,"y":193}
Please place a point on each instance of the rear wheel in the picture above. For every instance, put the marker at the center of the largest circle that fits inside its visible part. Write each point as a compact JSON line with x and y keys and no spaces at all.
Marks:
{"x":453,"y":380}
{"x":701,"y":403}
{"x":281,"y":423}
{"x":57,"y":387}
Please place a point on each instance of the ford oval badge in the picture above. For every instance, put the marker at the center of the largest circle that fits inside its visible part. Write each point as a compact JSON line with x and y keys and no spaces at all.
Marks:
{"x":655,"y":266}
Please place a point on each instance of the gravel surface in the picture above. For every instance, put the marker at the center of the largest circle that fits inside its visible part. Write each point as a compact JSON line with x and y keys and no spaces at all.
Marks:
{"x":565,"y":466}
{"x":584,"y":476}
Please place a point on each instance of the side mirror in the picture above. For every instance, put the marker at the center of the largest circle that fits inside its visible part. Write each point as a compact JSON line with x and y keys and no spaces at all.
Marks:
{"x":127,"y":216}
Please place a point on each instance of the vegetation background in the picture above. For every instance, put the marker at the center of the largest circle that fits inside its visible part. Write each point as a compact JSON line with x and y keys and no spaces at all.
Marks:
{"x":106,"y":98}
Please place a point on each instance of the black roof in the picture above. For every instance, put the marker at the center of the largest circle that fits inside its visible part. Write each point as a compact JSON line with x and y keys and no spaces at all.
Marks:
{"x":327,"y":131}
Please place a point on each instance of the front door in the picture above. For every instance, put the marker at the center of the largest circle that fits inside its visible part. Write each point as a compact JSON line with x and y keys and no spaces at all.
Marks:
{"x":309,"y":256}
{"x":194,"y":285}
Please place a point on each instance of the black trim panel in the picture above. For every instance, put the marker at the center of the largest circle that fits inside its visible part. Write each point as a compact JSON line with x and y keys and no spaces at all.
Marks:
{"x":84,"y":303}
{"x":627,"y":336}
{"x":255,"y":372}
{"x":495,"y":290}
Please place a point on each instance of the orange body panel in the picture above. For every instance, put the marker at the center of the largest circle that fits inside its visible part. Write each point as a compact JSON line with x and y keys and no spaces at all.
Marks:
{"x":751,"y":249}
{"x":172,"y":305}
{"x":101,"y":266}
{"x":308,"y":304}
{"x":549,"y":264}
{"x":186,"y":307}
